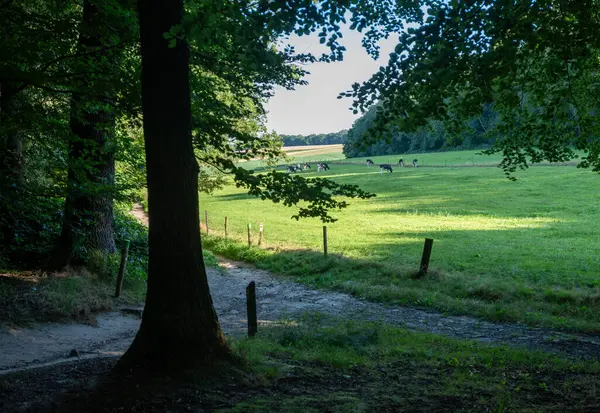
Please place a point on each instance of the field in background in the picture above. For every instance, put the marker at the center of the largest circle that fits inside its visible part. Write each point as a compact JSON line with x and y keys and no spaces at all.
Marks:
{"x":454,"y":158}
{"x":333,"y":153}
{"x":313,"y":149}
{"x":301,"y":154}
{"x":525,"y":250}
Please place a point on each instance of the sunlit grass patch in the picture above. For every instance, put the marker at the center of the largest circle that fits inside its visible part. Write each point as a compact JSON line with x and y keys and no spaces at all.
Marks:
{"x":499,"y":245}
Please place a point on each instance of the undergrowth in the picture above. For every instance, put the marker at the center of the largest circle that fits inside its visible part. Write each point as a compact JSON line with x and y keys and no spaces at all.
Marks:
{"x":329,"y":364}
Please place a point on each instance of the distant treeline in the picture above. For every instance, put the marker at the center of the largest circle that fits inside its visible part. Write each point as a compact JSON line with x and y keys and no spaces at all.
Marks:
{"x":318,"y":139}
{"x":430,"y":138}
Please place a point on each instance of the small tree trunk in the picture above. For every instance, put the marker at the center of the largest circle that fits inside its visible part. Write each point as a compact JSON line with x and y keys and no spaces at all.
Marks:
{"x":179,"y":327}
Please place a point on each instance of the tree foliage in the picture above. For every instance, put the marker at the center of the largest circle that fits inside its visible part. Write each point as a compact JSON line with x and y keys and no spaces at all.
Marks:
{"x":535,"y":61}
{"x":238,"y":55}
{"x":316,"y":139}
{"x":477,"y":132}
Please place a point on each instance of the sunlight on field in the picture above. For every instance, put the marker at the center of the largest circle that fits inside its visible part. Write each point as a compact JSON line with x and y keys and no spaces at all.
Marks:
{"x":525,"y":250}
{"x":522,"y":227}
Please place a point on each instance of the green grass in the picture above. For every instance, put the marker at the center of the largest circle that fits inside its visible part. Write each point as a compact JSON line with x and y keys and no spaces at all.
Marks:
{"x":30,"y":297}
{"x":347,"y":366}
{"x":454,"y":158}
{"x":437,"y":159}
{"x":451,"y":158}
{"x":511,"y":251}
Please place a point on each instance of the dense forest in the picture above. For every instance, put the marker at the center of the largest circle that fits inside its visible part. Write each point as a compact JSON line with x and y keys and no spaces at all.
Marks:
{"x":315,"y":139}
{"x":433,"y":136}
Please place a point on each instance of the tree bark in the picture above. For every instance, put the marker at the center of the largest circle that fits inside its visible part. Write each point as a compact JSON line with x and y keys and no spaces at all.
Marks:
{"x":88,"y":213}
{"x":179,"y":327}
{"x":11,"y":168}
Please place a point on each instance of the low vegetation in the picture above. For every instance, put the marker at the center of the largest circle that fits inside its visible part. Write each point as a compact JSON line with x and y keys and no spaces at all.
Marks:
{"x":322,"y":364}
{"x":27,"y":297}
{"x":507,"y":251}
{"x":347,"y":366}
{"x":76,"y":294}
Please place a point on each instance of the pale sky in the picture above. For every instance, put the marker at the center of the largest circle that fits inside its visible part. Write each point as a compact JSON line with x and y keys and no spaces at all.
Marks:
{"x":314,"y":108}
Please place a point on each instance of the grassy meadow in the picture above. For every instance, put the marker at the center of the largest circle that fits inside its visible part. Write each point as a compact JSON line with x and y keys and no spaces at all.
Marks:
{"x":333,"y":153}
{"x":511,"y":251}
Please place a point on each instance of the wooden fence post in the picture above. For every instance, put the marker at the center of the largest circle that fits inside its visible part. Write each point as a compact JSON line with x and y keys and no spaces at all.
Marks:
{"x":260,"y":234}
{"x":121,"y":274}
{"x":325,"y":240}
{"x":226,"y":227}
{"x":206,"y":219}
{"x":426,"y":256}
{"x":249,"y":235}
{"x":251,"y":309}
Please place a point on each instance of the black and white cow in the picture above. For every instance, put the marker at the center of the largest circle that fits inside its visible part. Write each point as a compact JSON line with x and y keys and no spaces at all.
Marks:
{"x":370,"y":162}
{"x":401,"y":163}
{"x":322,"y":166}
{"x":385,"y":167}
{"x":292,"y":168}
{"x":415,"y":163}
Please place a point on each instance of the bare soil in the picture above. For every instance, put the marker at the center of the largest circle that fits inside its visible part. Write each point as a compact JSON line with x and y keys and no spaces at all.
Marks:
{"x":277,"y":300}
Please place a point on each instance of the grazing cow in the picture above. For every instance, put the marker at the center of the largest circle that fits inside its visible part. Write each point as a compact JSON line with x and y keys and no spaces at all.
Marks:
{"x":385,"y":167}
{"x":322,"y":166}
{"x":401,"y":163}
{"x":415,"y":163}
{"x":306,"y":166}
{"x":370,"y":162}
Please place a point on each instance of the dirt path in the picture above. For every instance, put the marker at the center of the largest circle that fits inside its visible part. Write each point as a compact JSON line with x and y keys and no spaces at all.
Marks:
{"x":139,"y":213}
{"x":277,"y":299}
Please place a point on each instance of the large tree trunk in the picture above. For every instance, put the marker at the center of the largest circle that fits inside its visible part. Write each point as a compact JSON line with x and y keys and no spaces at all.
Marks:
{"x":89,"y":204}
{"x":179,"y":327}
{"x":11,"y":168}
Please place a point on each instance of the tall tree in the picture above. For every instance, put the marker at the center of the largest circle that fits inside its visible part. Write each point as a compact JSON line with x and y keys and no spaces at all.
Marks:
{"x":232,"y":44}
{"x":37,"y":37}
{"x":104,"y":34}
{"x":11,"y":164}
{"x":179,"y":325}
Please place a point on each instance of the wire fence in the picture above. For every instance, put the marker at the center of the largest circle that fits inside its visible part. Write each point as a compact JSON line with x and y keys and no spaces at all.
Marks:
{"x":253,"y":233}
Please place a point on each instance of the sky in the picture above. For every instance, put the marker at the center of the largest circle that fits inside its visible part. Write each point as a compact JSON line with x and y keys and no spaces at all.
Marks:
{"x":314,"y":108}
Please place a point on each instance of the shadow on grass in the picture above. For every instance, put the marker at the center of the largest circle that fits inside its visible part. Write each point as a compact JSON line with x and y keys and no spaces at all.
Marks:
{"x":326,"y":365}
{"x":495,"y":300}
{"x":27,"y":297}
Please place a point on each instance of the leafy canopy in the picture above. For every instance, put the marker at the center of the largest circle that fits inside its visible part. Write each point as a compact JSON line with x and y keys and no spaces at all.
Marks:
{"x":535,"y":61}
{"x":239,"y":55}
